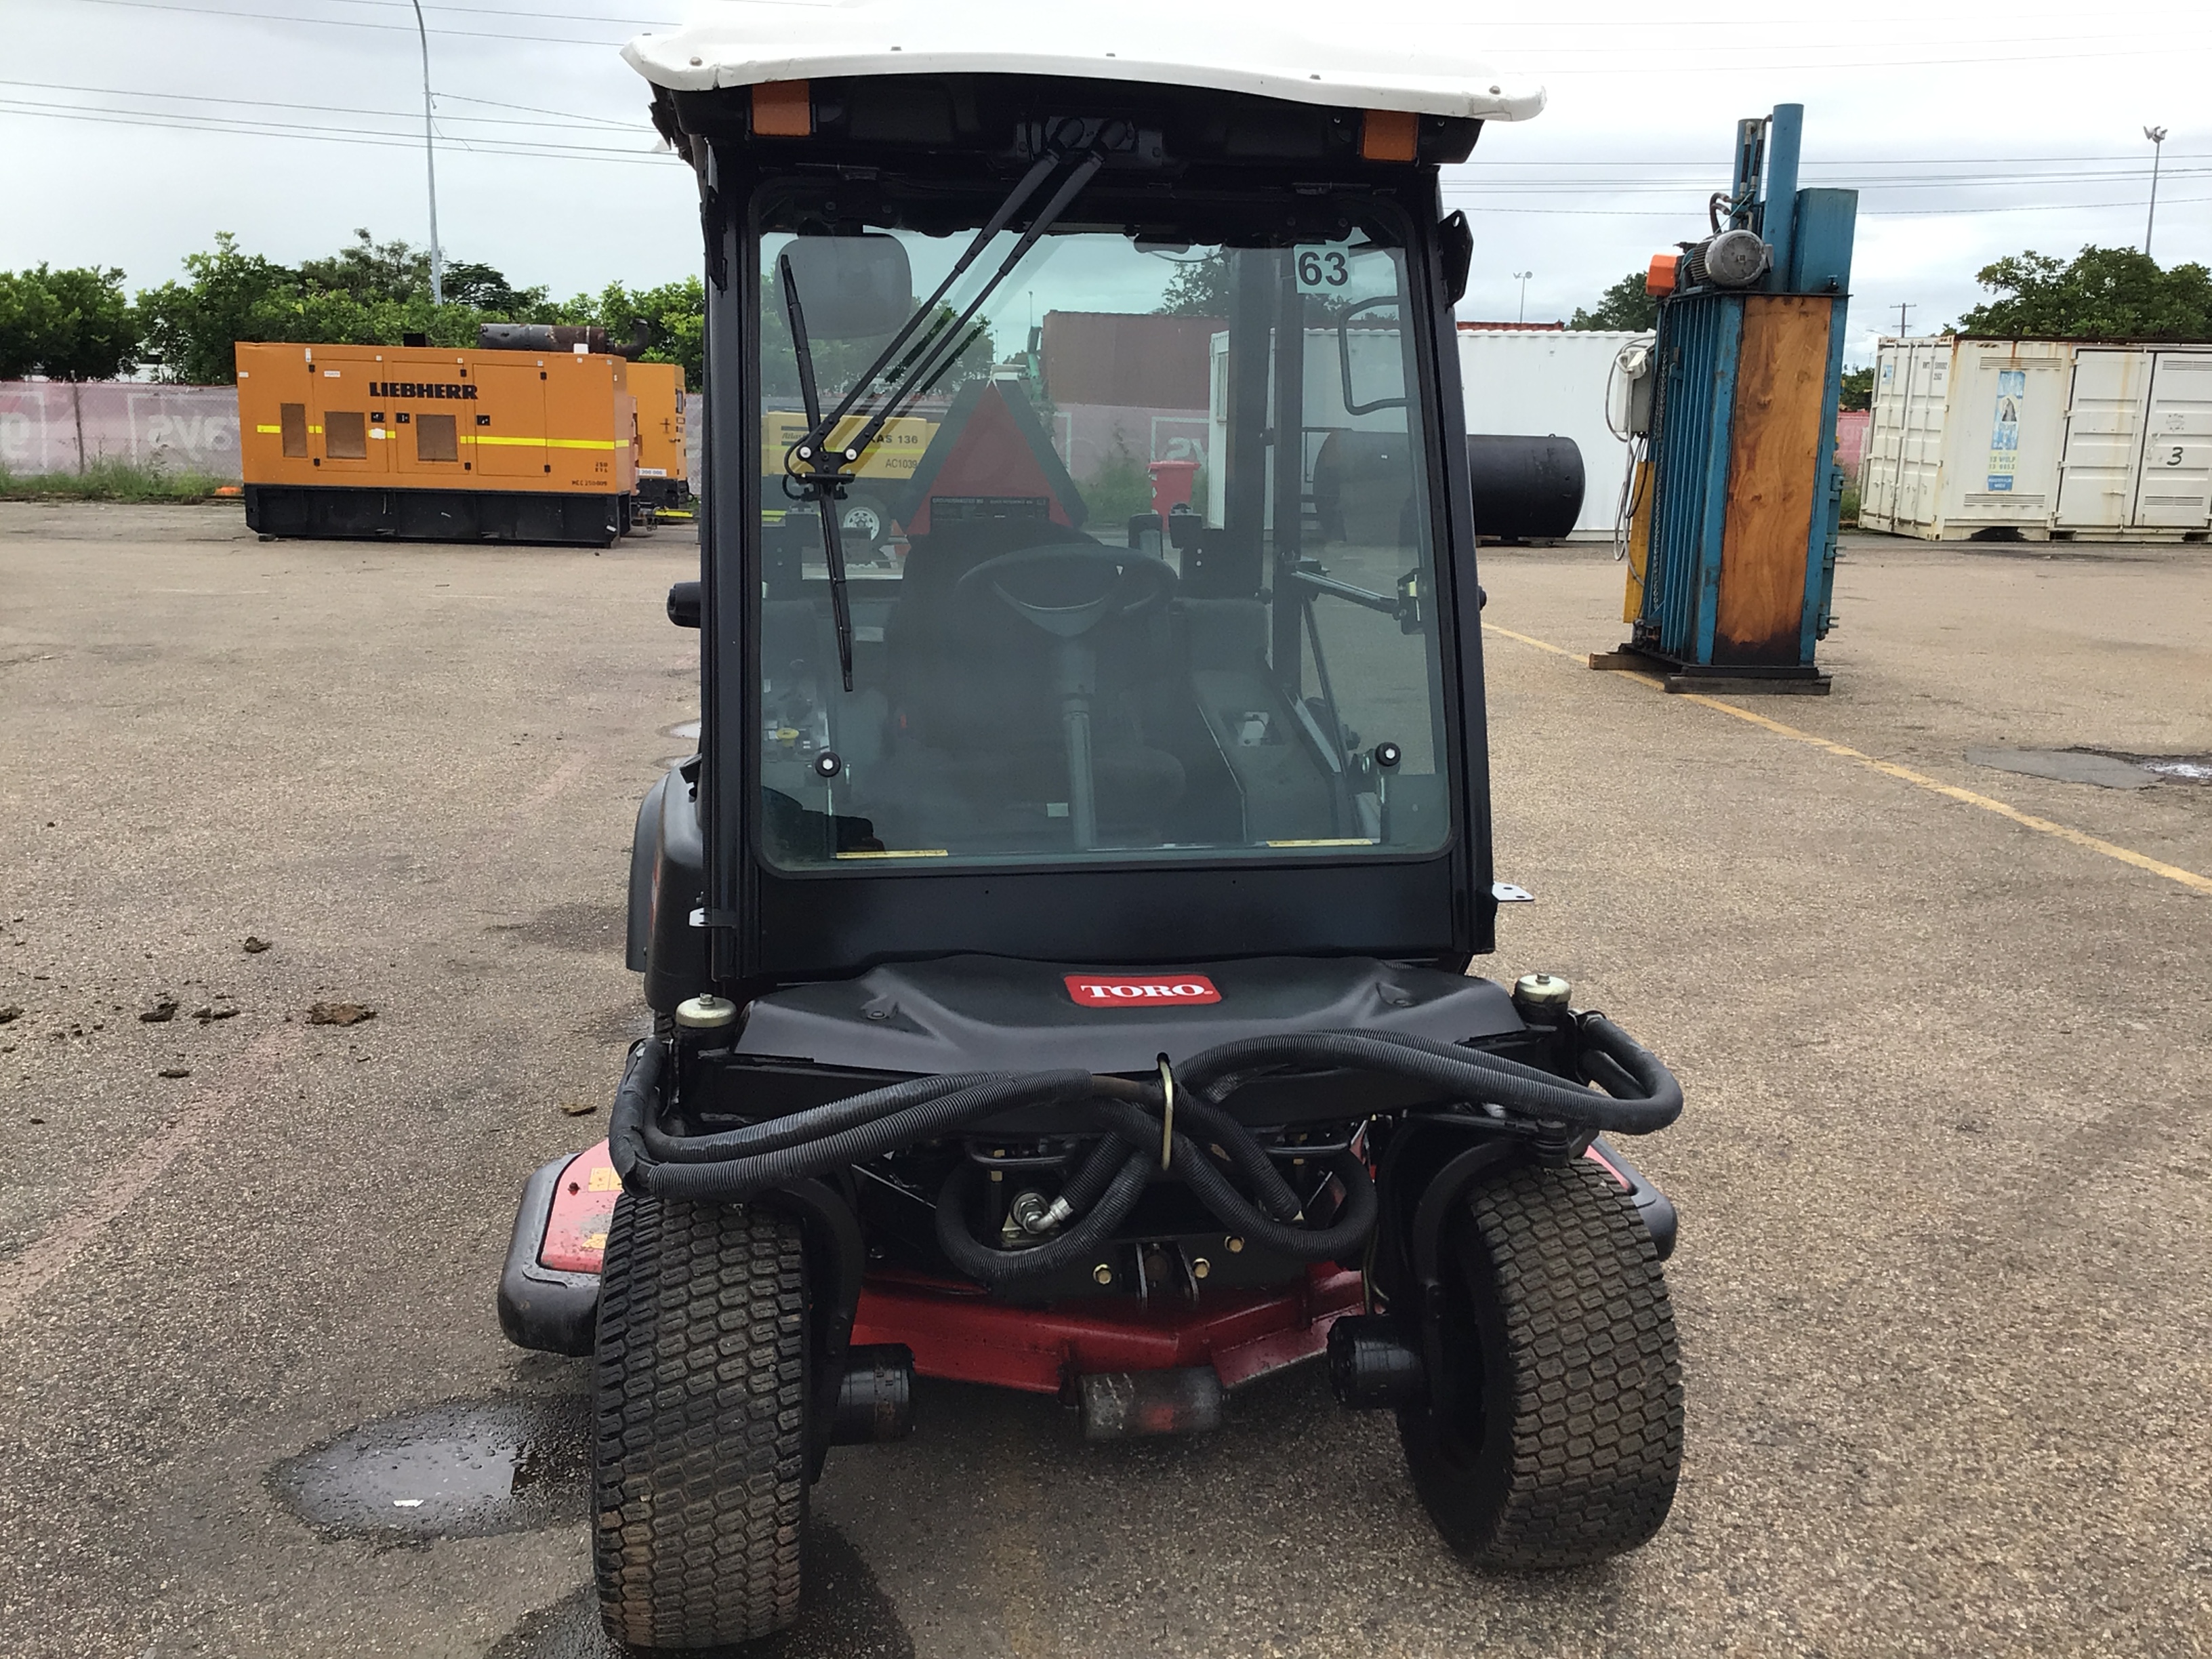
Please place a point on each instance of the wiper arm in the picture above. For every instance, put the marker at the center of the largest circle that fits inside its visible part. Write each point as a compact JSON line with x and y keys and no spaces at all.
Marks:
{"x":917,"y":384}
{"x":822,"y":481}
{"x":818,"y":432}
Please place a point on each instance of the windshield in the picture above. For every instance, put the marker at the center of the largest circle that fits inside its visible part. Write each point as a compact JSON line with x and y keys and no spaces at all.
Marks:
{"x":1095,"y":606}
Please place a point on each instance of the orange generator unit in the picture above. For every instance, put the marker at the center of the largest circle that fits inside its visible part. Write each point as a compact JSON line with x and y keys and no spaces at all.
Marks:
{"x":664,"y":469}
{"x":533,"y":437}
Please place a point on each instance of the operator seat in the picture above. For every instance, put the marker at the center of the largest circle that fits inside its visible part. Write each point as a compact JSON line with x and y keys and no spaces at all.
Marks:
{"x":977,"y":748}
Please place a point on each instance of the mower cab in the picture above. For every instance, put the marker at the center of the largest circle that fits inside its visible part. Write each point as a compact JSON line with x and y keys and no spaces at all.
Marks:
{"x":1058,"y":948}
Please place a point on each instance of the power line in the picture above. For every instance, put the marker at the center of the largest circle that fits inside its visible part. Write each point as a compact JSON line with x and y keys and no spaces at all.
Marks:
{"x":352,"y":23}
{"x":306,"y":133}
{"x":576,"y":121}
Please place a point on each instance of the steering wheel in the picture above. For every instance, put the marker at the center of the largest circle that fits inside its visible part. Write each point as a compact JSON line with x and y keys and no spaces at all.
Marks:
{"x":1067,"y":591}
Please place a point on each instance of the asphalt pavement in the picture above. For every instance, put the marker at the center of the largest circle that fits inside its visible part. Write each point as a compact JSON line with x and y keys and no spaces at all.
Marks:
{"x":1944,"y":1282}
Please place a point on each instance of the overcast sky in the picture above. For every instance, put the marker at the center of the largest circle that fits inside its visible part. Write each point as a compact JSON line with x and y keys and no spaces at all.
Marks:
{"x":135,"y":129}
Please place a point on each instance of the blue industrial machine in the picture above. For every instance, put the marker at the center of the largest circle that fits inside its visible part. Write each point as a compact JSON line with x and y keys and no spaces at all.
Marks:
{"x":1732,"y":539}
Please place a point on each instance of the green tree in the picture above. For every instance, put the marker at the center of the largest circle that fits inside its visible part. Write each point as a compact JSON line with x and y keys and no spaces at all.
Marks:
{"x":674,"y":313}
{"x":1624,"y":306}
{"x":74,"y":324}
{"x":1858,"y":389}
{"x":1199,"y":288}
{"x":2102,"y":293}
{"x":370,"y":293}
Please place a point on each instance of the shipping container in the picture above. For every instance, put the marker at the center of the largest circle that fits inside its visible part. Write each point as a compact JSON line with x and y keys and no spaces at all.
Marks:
{"x":420,"y":443}
{"x":2040,"y":438}
{"x":1552,"y":381}
{"x":2138,"y":460}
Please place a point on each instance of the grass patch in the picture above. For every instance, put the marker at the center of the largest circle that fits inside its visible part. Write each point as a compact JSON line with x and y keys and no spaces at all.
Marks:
{"x":1119,"y":489}
{"x":1849,"y":517}
{"x":110,"y":480}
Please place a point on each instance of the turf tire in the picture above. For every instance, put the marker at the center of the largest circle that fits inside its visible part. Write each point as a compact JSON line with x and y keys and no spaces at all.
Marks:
{"x":1554,"y":1434}
{"x":700,"y":1478}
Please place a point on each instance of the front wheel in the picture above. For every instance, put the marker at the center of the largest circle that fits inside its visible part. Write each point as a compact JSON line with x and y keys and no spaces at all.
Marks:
{"x":700,"y":1481}
{"x":1551,"y":1434}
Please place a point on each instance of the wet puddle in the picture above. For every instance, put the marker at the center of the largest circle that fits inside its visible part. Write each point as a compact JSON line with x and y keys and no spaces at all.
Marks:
{"x":846,"y":1616}
{"x":467,"y":1468}
{"x":688,"y":731}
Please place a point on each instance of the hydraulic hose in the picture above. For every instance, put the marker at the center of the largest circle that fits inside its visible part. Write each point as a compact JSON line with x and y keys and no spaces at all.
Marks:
{"x":740,"y":1177}
{"x":777,"y":1133}
{"x":979,"y":1260}
{"x":1237,"y":1212}
{"x":1469,"y":1072}
{"x":1641,"y":1095}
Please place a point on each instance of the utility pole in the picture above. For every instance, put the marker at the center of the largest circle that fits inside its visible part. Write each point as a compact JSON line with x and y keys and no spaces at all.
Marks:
{"x":1523,"y":277}
{"x":430,"y":161}
{"x":1903,"y":306}
{"x":2157,"y":136}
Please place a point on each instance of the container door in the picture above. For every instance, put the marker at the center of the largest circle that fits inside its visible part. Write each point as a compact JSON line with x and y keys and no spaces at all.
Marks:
{"x":2010,"y":413}
{"x":1920,"y":443}
{"x":2103,"y":436}
{"x":506,"y":438}
{"x":2174,"y":488}
{"x":1885,"y":439}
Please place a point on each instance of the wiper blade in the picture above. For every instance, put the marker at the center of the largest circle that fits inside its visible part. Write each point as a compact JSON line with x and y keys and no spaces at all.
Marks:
{"x":824,"y":481}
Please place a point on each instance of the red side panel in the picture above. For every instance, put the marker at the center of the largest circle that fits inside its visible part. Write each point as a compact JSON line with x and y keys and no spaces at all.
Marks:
{"x":583,"y":1209}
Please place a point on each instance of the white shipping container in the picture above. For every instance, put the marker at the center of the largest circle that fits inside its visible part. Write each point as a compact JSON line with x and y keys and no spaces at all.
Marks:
{"x":2046,"y":438}
{"x":1540,"y":382}
{"x":1966,"y":436}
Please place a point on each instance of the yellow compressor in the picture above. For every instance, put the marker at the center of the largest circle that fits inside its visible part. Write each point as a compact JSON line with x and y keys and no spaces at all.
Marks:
{"x":534,"y":439}
{"x":664,"y":470}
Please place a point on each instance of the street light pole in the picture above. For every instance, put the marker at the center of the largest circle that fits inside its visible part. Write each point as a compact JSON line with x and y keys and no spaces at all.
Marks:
{"x":2157,"y":136}
{"x":1523,"y":277}
{"x":430,"y":161}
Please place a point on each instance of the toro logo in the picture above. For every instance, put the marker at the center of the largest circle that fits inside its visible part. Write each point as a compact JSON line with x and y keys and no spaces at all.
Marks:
{"x":1142,"y":991}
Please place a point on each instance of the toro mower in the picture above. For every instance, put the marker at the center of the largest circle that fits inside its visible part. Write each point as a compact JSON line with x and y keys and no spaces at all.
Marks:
{"x":1058,"y":948}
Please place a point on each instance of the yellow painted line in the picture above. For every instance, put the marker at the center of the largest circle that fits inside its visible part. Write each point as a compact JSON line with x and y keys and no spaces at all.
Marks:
{"x":548,"y":443}
{"x":2081,"y":838}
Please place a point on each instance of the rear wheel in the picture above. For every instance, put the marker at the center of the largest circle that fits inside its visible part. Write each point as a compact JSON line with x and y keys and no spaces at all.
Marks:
{"x":701,"y":1476}
{"x":1552,"y":1432}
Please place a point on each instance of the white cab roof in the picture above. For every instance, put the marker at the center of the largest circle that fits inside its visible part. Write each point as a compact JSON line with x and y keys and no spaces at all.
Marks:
{"x":1346,"y":54}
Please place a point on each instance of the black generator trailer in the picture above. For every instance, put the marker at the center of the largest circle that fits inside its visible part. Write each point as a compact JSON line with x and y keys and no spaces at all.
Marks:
{"x":1058,"y":949}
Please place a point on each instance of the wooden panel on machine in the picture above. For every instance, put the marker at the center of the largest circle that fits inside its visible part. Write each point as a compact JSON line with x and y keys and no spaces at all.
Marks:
{"x":1772,"y":473}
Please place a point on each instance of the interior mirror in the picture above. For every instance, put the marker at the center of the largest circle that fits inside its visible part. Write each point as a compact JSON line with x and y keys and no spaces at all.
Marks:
{"x":852,"y":286}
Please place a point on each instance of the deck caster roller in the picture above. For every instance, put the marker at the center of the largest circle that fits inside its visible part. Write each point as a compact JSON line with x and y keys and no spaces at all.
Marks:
{"x":875,"y":1401}
{"x":1374,"y":1364}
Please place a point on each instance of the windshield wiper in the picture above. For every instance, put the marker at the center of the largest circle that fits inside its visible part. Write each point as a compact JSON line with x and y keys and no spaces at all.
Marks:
{"x":824,"y":483}
{"x":825,"y":474}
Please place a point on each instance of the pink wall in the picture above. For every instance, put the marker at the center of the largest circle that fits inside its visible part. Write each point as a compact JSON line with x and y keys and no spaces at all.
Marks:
{"x":1850,"y":439}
